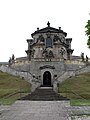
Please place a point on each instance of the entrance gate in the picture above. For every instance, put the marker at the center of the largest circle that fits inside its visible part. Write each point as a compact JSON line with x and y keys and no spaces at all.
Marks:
{"x":47,"y":79}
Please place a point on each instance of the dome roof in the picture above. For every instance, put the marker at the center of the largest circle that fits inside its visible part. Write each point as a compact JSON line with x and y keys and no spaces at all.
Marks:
{"x":49,"y":29}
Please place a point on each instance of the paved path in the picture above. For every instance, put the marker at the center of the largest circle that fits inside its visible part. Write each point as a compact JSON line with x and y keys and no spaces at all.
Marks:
{"x":44,"y":110}
{"x":79,"y":112}
{"x":36,"y":110}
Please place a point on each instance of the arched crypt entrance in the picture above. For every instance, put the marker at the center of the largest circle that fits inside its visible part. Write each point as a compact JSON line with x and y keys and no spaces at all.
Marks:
{"x":47,"y":79}
{"x":47,"y":75}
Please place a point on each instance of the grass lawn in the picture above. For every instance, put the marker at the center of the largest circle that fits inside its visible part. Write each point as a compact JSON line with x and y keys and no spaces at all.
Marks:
{"x":12,"y":88}
{"x":79,"y":102}
{"x":77,"y":89}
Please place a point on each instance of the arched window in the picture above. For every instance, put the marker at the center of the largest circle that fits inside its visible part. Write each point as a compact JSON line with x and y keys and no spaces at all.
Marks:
{"x":48,"y":42}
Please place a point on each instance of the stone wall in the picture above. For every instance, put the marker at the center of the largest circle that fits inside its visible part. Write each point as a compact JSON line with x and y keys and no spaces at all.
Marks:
{"x":60,"y":67}
{"x":73,"y":67}
{"x":62,"y":70}
{"x":22,"y":74}
{"x":70,"y":73}
{"x":67,"y":74}
{"x":34,"y":67}
{"x":83,"y":70}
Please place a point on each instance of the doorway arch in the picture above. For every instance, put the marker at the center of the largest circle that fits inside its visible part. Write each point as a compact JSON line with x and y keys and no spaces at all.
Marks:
{"x":47,"y":79}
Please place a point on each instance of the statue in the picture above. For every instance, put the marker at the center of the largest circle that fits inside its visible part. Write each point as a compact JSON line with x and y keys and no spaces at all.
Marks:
{"x":86,"y":58}
{"x":56,"y":38}
{"x":62,"y":51}
{"x":40,"y":38}
{"x":10,"y":61}
{"x":33,"y":51}
{"x":82,"y":56}
{"x":51,"y":54}
{"x":13,"y":58}
{"x":47,"y":54}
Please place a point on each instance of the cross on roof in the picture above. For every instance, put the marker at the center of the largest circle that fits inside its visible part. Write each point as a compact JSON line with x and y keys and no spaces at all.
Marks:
{"x":48,"y":24}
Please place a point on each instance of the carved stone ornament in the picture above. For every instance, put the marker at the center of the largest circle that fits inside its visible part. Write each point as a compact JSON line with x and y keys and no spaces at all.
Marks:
{"x":62,"y":51}
{"x":47,"y":66}
{"x":41,"y":38}
{"x":56,"y":38}
{"x":51,"y":54}
{"x":47,"y":53}
{"x":33,"y":51}
{"x":62,"y":38}
{"x":48,"y":24}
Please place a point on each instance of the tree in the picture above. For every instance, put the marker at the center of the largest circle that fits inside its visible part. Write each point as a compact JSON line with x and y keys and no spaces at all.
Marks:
{"x":88,"y":32}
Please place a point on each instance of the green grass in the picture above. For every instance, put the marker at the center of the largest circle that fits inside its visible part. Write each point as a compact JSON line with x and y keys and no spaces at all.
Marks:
{"x":80,"y":102}
{"x":12,"y":99}
{"x":12,"y":88}
{"x":77,"y":89}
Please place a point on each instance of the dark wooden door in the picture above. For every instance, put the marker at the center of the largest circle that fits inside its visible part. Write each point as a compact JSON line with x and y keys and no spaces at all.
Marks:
{"x":47,"y":79}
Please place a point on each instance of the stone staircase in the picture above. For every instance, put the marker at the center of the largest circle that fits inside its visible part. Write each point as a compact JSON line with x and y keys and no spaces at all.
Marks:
{"x":44,"y":94}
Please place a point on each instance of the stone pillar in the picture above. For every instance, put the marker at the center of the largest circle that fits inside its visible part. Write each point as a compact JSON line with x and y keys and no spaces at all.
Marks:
{"x":55,"y":86}
{"x":29,"y":41}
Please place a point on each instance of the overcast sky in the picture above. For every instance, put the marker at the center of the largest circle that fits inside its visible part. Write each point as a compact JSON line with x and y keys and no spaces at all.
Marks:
{"x":20,"y":18}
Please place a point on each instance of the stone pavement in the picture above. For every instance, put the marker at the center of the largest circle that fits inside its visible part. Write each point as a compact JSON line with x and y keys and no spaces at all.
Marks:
{"x":44,"y":110}
{"x":36,"y":110}
{"x":79,"y":112}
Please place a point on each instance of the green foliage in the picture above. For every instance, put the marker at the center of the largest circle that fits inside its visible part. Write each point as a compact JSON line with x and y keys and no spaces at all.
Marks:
{"x":88,"y":32}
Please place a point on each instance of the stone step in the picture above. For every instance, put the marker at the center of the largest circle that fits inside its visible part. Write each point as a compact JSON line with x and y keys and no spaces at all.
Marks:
{"x":44,"y":94}
{"x":45,"y":87}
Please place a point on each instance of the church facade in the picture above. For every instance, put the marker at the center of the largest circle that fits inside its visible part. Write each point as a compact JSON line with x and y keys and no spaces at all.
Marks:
{"x":48,"y":54}
{"x":49,"y":44}
{"x":47,"y":50}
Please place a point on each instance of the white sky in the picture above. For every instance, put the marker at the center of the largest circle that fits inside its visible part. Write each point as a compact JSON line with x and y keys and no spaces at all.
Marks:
{"x":20,"y":18}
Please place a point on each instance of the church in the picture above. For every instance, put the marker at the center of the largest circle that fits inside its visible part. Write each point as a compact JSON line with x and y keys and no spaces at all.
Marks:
{"x":49,"y":55}
{"x":49,"y":44}
{"x":46,"y":50}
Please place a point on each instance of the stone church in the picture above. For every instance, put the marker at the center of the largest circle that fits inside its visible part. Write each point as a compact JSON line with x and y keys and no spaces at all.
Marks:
{"x":46,"y":50}
{"x":48,"y":54}
{"x":49,"y":44}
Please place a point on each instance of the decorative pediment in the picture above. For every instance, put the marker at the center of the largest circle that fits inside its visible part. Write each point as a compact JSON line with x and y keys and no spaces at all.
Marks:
{"x":47,"y":66}
{"x":50,"y":30}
